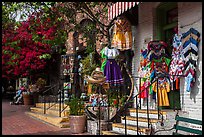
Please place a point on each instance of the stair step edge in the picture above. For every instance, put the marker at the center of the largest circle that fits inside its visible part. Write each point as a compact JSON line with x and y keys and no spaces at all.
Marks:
{"x":131,"y":127}
{"x":141,"y":119}
{"x":48,"y":115}
{"x":145,"y":111}
{"x":51,"y":109}
{"x":47,"y":121}
{"x":110,"y":133}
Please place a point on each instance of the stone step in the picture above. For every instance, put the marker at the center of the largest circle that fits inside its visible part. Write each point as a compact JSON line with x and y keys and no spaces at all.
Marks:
{"x":151,"y":111}
{"x":142,"y":121}
{"x":61,"y":122}
{"x":50,"y":105}
{"x":143,"y":113}
{"x":131,"y":129}
{"x":51,"y":111}
{"x":110,"y":133}
{"x":64,"y":125}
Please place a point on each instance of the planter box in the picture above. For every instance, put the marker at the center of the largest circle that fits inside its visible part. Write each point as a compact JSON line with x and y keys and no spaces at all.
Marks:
{"x":92,"y":126}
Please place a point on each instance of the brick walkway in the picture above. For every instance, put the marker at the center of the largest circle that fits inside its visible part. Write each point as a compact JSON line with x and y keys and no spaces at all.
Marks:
{"x":16,"y":122}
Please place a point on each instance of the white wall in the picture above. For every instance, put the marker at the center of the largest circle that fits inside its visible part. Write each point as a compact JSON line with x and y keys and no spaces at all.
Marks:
{"x":190,"y":16}
{"x":144,"y":30}
{"x":188,"y":12}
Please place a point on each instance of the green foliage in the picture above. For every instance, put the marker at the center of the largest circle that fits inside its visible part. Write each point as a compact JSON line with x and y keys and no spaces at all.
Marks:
{"x":65,"y":12}
{"x":76,"y":106}
{"x":45,"y":56}
{"x":41,"y":82}
{"x":87,"y":65}
{"x":116,"y":100}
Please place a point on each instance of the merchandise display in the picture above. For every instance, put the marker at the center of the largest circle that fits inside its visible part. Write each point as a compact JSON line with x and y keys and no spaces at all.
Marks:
{"x":190,"y":41}
{"x":122,"y":34}
{"x":153,"y":62}
{"x":112,"y":69}
{"x":177,"y":63}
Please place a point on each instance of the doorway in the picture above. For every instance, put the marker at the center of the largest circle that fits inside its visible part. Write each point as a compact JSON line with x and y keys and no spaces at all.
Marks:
{"x":167,"y":21}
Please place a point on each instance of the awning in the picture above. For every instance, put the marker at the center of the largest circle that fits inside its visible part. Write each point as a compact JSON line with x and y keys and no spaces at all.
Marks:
{"x":118,"y":8}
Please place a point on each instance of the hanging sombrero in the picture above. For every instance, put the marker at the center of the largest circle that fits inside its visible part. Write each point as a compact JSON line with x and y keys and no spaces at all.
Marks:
{"x":97,"y":77}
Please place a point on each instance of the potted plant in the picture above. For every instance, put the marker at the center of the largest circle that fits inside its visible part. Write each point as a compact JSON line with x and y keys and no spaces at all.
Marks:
{"x":27,"y":97}
{"x":41,"y":83}
{"x":33,"y":88}
{"x":77,"y":118}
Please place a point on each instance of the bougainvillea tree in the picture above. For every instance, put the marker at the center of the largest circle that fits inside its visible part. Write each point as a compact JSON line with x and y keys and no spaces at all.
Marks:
{"x":27,"y":47}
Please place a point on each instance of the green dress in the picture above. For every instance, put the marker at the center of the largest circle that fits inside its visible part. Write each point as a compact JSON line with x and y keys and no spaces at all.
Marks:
{"x":105,"y":61}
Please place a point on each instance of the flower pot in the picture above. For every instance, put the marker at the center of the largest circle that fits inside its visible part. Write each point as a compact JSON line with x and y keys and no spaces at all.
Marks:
{"x":27,"y":99}
{"x":77,"y":124}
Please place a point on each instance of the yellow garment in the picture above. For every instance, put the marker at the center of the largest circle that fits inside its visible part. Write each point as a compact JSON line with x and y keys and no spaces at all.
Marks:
{"x":89,"y":89}
{"x":163,"y":88}
{"x":122,"y":35}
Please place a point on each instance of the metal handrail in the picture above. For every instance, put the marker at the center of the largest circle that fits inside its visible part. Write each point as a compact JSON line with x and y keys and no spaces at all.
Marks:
{"x":58,"y":93}
{"x":124,"y":108}
{"x":44,"y":101}
{"x":127,"y":102}
{"x":50,"y":88}
{"x":52,"y":104}
{"x":61,"y":108}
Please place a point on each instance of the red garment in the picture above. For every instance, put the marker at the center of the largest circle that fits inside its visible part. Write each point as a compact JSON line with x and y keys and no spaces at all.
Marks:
{"x":144,"y":90}
{"x":177,"y":83}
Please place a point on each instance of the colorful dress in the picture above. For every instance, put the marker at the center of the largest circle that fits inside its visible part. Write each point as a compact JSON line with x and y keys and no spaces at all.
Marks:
{"x":163,"y":89}
{"x":112,"y":69}
{"x":122,"y":35}
{"x":190,"y":41}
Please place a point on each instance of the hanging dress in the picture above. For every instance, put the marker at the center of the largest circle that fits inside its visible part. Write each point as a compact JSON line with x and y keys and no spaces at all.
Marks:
{"x":190,"y":40}
{"x":112,"y":70}
{"x":122,"y":34}
{"x":144,"y":88}
{"x":177,"y":64}
{"x":163,"y":89}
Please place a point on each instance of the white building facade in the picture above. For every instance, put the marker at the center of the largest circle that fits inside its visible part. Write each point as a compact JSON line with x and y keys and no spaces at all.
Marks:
{"x":189,"y":16}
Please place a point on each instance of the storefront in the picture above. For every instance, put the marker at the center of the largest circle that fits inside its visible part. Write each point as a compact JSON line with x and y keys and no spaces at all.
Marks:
{"x":161,"y":21}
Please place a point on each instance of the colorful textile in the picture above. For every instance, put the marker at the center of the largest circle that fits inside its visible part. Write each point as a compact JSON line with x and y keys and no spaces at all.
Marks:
{"x":176,"y":68}
{"x":122,"y":35}
{"x":144,"y":53}
{"x":189,"y":32}
{"x":191,"y":36}
{"x":144,"y":91}
{"x":103,"y":56}
{"x":111,"y":53}
{"x":177,"y":63}
{"x":191,"y":43}
{"x":156,"y":45}
{"x":113,"y":73}
{"x":163,"y":89}
{"x":188,"y":81}
{"x":190,"y":56}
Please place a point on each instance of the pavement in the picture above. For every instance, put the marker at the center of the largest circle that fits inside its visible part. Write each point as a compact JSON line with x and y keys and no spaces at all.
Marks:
{"x":16,"y":122}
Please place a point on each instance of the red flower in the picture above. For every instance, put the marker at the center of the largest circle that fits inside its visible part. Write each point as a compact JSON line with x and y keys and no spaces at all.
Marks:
{"x":115,"y":102}
{"x":30,"y":48}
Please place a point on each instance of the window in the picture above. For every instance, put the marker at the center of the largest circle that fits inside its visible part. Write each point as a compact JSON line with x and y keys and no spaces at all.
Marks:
{"x":172,"y":15}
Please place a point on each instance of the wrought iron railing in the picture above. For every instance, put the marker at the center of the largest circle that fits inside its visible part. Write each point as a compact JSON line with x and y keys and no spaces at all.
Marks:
{"x":51,"y":98}
{"x":125,"y":108}
{"x":160,"y":115}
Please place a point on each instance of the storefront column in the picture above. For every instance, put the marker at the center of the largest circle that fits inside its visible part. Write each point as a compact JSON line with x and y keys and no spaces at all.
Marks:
{"x":134,"y":63}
